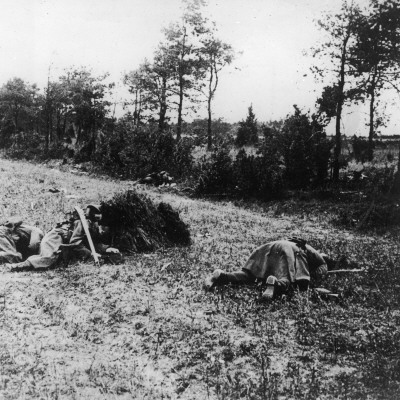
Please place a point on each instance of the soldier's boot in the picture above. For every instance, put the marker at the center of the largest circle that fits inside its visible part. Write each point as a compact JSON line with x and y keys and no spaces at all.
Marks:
{"x":21,"y":266}
{"x":212,"y":280}
{"x":270,"y":291}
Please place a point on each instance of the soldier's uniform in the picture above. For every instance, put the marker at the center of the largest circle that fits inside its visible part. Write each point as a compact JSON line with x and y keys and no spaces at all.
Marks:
{"x":18,"y":240}
{"x":69,"y":237}
{"x":280,"y":263}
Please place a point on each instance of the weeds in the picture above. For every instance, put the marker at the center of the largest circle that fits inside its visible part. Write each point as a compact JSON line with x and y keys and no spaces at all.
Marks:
{"x":145,"y":330}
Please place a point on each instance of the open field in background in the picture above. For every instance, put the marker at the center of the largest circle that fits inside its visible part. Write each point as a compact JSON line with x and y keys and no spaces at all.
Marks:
{"x":146,"y":330}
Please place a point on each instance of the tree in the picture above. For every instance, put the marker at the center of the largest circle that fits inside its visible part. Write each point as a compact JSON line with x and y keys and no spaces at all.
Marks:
{"x":86,"y":102}
{"x":341,"y":29}
{"x":135,"y":82}
{"x":248,"y":130}
{"x":216,"y":55}
{"x":182,"y":48}
{"x":151,"y":86}
{"x":305,"y":150}
{"x":55,"y":112}
{"x":375,"y":57}
{"x":18,"y":101}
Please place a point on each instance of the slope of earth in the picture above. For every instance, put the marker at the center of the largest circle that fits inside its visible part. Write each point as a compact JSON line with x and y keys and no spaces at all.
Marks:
{"x":146,"y":330}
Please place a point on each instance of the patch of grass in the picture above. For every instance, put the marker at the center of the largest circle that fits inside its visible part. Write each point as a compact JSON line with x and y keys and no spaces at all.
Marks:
{"x":145,"y":329}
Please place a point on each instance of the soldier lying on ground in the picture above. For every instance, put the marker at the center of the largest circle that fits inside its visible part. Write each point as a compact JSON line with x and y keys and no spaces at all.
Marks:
{"x":282,"y":263}
{"x":18,"y":240}
{"x":69,"y":237}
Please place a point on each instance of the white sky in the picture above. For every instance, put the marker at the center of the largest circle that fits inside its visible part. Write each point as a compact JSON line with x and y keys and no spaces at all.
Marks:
{"x":116,"y":35}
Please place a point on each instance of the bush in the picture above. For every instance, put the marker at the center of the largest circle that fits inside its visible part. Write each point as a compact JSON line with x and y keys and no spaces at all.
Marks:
{"x":27,"y":145}
{"x":215,"y":175}
{"x":306,"y":151}
{"x":245,"y":174}
{"x":137,"y":152}
{"x":248,"y":130}
{"x":248,"y":176}
{"x":138,"y":225}
{"x":360,"y":149}
{"x":260,"y":176}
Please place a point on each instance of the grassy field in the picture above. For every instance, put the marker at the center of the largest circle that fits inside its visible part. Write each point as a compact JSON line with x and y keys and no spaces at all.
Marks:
{"x":146,"y":330}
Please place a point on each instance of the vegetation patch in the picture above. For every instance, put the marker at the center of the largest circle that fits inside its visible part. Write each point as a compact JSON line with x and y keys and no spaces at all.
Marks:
{"x":137,"y":224}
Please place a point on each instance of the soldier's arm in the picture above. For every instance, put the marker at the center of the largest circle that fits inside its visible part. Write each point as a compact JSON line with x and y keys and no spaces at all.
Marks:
{"x":316,"y":262}
{"x":36,"y":236}
{"x":78,"y":233}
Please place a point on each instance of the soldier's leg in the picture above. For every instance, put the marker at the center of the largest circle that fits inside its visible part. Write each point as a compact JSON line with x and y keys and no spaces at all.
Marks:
{"x":220,"y":278}
{"x":301,"y":285}
{"x":80,"y":253}
{"x":275,"y":287}
{"x":49,"y":253}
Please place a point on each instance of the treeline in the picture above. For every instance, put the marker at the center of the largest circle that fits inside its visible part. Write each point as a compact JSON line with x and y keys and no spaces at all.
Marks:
{"x":362,"y":49}
{"x":73,"y":117}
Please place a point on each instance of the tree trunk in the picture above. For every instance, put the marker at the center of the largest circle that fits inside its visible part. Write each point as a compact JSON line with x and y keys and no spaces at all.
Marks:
{"x":135,"y":111}
{"x":371,"y":116}
{"x":210,"y":96}
{"x":64,"y":124}
{"x":209,"y":132}
{"x":371,"y":127}
{"x":58,"y":127}
{"x":338,"y":135}
{"x":396,"y":184}
{"x":179,"y":126}
{"x":47,"y":135}
{"x":339,"y":108}
{"x":163,"y":106}
{"x":181,"y":72}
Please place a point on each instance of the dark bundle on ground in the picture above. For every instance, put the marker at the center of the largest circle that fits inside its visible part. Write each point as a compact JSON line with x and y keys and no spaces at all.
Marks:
{"x":176,"y":230}
{"x":137,"y":225}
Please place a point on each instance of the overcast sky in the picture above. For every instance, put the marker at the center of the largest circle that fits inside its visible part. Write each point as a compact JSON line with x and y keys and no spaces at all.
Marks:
{"x":115,"y":36}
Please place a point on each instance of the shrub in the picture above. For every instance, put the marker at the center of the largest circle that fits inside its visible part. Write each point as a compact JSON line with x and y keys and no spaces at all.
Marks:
{"x":215,"y":175}
{"x":28,"y":145}
{"x":137,"y":224}
{"x":245,"y":174}
{"x":306,"y":151}
{"x":136,"y":152}
{"x":248,"y":130}
{"x":360,"y":149}
{"x":260,"y":176}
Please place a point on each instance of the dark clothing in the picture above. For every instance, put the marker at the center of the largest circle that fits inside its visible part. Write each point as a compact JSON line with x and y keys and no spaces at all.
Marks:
{"x":236,"y":278}
{"x":8,"y":249}
{"x":27,"y":239}
{"x":18,"y":241}
{"x":284,"y":260}
{"x":288,"y":262}
{"x":71,"y":233}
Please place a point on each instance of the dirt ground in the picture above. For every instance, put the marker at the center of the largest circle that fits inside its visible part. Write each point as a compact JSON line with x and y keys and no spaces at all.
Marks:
{"x":146,"y":329}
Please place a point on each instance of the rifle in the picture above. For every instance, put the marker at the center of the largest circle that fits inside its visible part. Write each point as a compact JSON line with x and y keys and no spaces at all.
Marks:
{"x":89,"y":238}
{"x":350,"y":271}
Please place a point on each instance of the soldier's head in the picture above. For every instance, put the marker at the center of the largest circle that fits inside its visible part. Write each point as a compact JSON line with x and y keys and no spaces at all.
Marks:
{"x":93,"y":212}
{"x":330,"y":262}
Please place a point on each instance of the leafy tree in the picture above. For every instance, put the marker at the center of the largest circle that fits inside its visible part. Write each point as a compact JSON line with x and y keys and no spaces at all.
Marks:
{"x":55,"y":112}
{"x":340,"y":29}
{"x":86,"y":103}
{"x":151,"y":84}
{"x":248,"y":130}
{"x":182,"y":48}
{"x":375,"y":57}
{"x":18,"y":107}
{"x":135,"y":80}
{"x":216,"y":55}
{"x":198,"y":130}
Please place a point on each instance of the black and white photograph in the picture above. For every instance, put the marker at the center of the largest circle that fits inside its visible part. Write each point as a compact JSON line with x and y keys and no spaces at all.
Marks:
{"x":200,"y":199}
